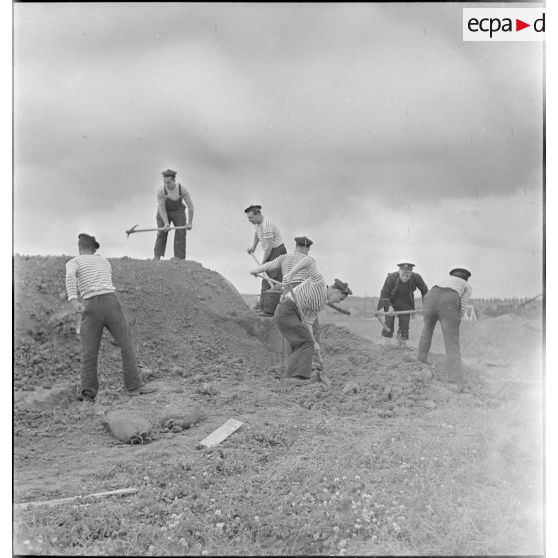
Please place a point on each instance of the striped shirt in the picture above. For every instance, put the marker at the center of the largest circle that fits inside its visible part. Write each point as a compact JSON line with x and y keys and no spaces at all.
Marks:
{"x":461,"y":286}
{"x":287,"y":262}
{"x":178,"y":193}
{"x":311,"y":294}
{"x":90,"y":274}
{"x":268,"y":233}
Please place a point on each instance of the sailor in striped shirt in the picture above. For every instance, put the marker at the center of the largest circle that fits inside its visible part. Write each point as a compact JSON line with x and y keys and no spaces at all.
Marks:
{"x":286,"y":262}
{"x":268,"y":235}
{"x":312,"y":295}
{"x":447,"y":301}
{"x":90,"y":275}
{"x":170,"y":208}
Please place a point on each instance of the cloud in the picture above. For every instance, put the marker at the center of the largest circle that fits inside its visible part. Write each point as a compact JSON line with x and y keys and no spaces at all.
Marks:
{"x":314,"y":111}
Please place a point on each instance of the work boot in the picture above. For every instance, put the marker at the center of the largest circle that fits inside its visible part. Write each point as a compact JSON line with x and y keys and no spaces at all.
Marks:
{"x":142,"y":390}
{"x":85,"y":397}
{"x":455,"y":382}
{"x":298,"y":380}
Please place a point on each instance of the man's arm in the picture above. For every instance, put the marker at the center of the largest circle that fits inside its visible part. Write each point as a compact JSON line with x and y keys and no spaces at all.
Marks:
{"x":465,"y":299}
{"x":190,"y":205}
{"x":385,"y":299}
{"x":252,"y":249}
{"x":71,"y":285}
{"x":268,"y":266}
{"x":161,"y":207}
{"x":421,"y":284}
{"x":267,"y":251}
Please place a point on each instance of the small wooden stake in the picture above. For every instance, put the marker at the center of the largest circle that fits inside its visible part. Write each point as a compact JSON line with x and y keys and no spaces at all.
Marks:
{"x":223,"y":432}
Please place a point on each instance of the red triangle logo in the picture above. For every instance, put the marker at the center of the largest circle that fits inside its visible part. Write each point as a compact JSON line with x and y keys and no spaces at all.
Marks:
{"x":519,"y":25}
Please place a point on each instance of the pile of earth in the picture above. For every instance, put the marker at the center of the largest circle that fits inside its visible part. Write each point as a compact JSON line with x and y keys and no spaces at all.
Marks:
{"x":189,"y":322}
{"x":185,"y":319}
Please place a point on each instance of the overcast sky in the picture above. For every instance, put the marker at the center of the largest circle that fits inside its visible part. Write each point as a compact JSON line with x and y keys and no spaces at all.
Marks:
{"x":371,"y":128}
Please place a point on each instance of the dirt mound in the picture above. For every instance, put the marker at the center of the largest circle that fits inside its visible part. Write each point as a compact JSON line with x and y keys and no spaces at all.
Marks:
{"x":184,"y":319}
{"x":189,"y":322}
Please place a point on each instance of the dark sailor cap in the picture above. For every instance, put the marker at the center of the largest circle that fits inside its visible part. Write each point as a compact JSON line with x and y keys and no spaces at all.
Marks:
{"x":253,"y":208}
{"x":303,"y":241}
{"x":406,"y":266}
{"x":461,"y":272}
{"x":88,"y":240}
{"x":169,"y":172}
{"x":342,"y":286}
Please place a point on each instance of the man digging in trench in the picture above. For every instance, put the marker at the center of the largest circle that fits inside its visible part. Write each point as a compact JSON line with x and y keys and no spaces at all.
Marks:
{"x":312,"y":295}
{"x":398,"y":293}
{"x":91,"y":275}
{"x":447,"y":302}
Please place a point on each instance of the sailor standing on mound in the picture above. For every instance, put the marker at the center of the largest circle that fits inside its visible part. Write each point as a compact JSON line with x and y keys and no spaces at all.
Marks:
{"x":91,"y":276}
{"x":170,"y":209}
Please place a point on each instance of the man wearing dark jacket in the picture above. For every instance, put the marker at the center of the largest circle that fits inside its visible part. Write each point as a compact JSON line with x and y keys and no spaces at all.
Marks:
{"x":398,"y":294}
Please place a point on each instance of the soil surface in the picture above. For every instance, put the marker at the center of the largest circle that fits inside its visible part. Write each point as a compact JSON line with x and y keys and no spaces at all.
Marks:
{"x":203,"y":347}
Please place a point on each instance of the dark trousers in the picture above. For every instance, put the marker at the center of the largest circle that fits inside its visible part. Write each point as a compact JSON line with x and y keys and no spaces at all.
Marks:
{"x":100,"y":312}
{"x":177,"y":216}
{"x":442,"y":304}
{"x":302,"y":347}
{"x":276,"y":274}
{"x":403,"y":332}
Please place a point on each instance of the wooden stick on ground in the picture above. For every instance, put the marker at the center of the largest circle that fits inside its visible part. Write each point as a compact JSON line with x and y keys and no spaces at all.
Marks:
{"x":222,"y":433}
{"x":78,"y":499}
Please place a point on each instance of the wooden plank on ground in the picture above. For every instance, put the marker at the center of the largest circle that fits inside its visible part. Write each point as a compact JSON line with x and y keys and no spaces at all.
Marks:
{"x":119,"y":492}
{"x":223,"y":432}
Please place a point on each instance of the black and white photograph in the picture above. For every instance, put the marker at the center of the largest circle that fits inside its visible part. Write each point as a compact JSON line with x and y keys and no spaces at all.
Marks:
{"x":279,"y":279}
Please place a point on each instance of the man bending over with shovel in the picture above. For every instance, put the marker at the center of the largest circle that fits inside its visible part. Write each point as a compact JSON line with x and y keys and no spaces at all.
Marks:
{"x":171,"y":209}
{"x":91,"y":275}
{"x":298,"y":311}
{"x":286,"y":262}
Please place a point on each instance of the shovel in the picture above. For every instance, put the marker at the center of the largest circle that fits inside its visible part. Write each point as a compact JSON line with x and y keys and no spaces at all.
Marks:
{"x":136,"y":230}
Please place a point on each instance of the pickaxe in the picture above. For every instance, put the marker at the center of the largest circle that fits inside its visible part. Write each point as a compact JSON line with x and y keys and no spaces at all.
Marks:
{"x":387,"y":328}
{"x":398,"y":313}
{"x":335,"y":307}
{"x":134,"y":230}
